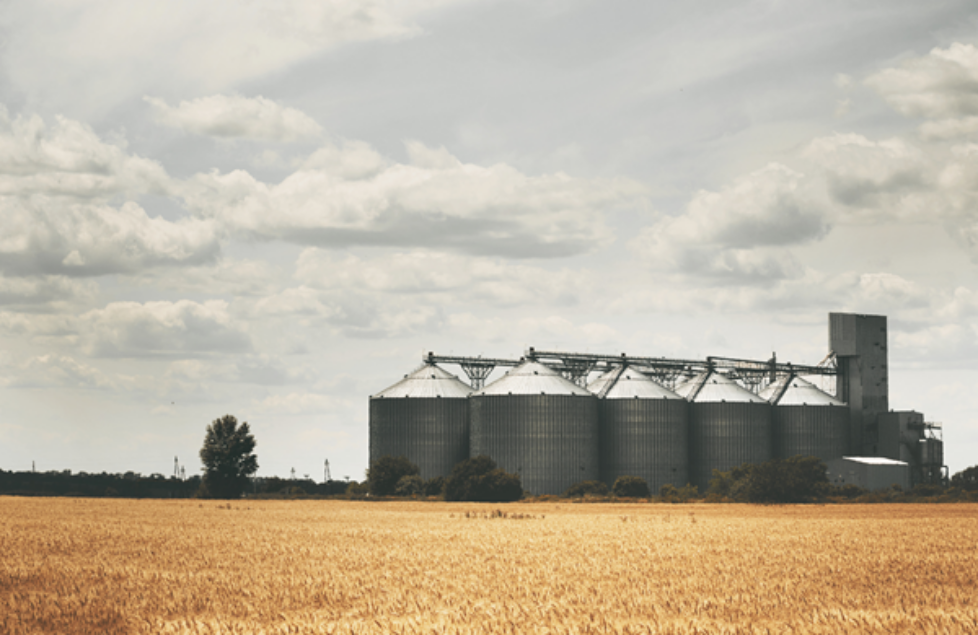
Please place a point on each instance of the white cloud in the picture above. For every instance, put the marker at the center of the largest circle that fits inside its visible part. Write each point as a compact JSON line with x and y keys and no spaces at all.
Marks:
{"x":346,"y":196}
{"x":958,"y":182}
{"x":937,"y":344}
{"x":890,"y":178}
{"x":452,"y":277}
{"x":56,"y":185}
{"x":66,"y":158}
{"x":942,"y":87}
{"x":352,"y":313}
{"x":231,"y":116}
{"x":87,"y":57}
{"x":402,"y":293}
{"x":942,"y":84}
{"x":949,"y":128}
{"x":887,"y":292}
{"x":811,"y":293}
{"x":59,"y":371}
{"x":263,"y":370}
{"x":43,"y":290}
{"x":31,"y":326}
{"x":895,"y":181}
{"x":352,"y":160}
{"x":737,"y":234}
{"x":182,"y":329}
{"x":46,"y":235}
{"x":298,"y":403}
{"x":233,"y":277}
{"x":552,"y":331}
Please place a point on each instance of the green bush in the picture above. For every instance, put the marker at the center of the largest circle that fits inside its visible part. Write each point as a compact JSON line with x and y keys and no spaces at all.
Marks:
{"x":587,"y":488}
{"x":631,"y":487}
{"x":848,"y":491}
{"x":434,"y":486}
{"x":410,"y":485}
{"x":966,"y":480}
{"x":478,"y":479}
{"x":926,"y":490}
{"x":385,"y":472}
{"x":357,"y":490}
{"x":800,"y":479}
{"x":669,"y":493}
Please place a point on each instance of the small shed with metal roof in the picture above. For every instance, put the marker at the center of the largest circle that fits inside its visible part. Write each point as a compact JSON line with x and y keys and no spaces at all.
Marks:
{"x":869,"y":472}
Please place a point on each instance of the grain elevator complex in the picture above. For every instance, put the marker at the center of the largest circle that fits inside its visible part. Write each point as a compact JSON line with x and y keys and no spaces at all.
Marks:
{"x":557,"y":418}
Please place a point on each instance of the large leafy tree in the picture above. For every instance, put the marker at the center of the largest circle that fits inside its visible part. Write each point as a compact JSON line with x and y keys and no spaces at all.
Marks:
{"x":228,"y":458}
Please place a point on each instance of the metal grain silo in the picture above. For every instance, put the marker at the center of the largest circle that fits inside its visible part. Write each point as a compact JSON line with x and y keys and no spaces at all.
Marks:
{"x":644,"y":429}
{"x":806,"y":420}
{"x":424,"y":417}
{"x":728,"y":426}
{"x":537,"y":424}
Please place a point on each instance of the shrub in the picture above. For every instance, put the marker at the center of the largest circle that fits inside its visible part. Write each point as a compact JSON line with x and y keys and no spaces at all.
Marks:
{"x":926,"y":490}
{"x":385,"y":472}
{"x":966,"y":479}
{"x":587,"y":488}
{"x":669,"y":493}
{"x":410,"y":485}
{"x":688,"y":492}
{"x":800,"y":479}
{"x":631,"y":487}
{"x":434,"y":486}
{"x":357,"y":490}
{"x":478,"y":479}
{"x":848,"y":491}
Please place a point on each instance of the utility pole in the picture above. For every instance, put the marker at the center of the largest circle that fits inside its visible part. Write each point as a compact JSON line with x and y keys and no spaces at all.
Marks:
{"x":326,"y":475}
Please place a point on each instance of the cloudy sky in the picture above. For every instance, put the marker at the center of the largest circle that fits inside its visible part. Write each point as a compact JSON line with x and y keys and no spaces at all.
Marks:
{"x":272,"y":209}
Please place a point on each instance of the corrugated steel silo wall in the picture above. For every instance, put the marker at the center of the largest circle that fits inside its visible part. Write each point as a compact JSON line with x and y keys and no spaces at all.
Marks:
{"x":431,"y":432}
{"x":551,"y":441}
{"x":648,"y":438}
{"x":724,"y":435}
{"x":820,"y":431}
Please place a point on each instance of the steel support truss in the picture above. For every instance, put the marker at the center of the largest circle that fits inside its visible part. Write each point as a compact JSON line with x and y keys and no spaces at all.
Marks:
{"x":752,"y":374}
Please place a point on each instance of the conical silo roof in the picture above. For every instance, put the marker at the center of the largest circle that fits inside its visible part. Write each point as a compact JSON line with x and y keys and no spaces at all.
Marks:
{"x":427,"y":381}
{"x":629,"y":384}
{"x":795,"y":391}
{"x":533,"y":378}
{"x":714,"y":387}
{"x":687,"y":386}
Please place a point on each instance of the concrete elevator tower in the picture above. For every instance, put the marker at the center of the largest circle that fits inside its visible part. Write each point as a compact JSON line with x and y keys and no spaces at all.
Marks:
{"x":859,"y":344}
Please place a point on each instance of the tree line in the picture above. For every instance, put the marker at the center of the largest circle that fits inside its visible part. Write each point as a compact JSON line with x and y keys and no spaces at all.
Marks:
{"x":229,"y":465}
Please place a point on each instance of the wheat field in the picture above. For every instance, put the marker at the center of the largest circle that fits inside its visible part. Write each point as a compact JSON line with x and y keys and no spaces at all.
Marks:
{"x":130,"y":566}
